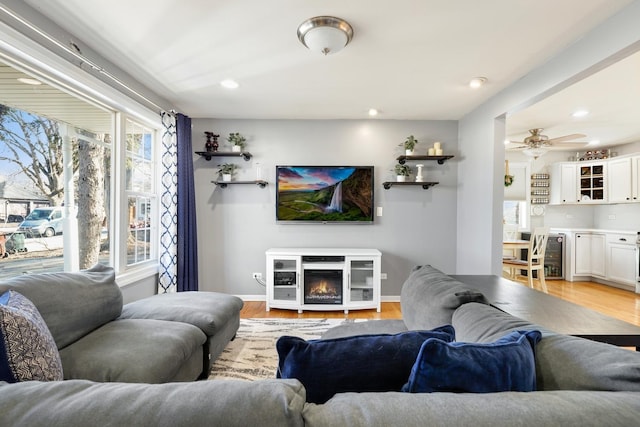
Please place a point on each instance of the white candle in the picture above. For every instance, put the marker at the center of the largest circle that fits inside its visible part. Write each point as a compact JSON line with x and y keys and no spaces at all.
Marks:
{"x":438,"y":151}
{"x":431,"y":152}
{"x":436,"y":146}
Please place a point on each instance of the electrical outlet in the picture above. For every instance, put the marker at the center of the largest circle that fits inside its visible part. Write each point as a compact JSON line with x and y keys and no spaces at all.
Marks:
{"x":612,"y":216}
{"x":257,"y":276}
{"x":383,"y":276}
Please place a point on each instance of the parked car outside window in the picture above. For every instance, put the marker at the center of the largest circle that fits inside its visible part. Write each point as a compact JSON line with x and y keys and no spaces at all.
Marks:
{"x":42,"y":222}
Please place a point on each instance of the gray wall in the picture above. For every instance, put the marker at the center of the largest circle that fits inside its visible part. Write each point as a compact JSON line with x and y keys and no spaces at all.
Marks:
{"x":236,"y":225}
{"x":481,"y":136}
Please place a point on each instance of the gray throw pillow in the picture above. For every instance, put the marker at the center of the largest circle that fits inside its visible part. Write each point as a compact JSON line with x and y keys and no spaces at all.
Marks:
{"x":27,"y":349}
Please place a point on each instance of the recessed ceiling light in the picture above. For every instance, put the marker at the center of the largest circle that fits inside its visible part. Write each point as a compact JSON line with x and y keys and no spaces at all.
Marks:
{"x":580,"y":113}
{"x":229,"y":84}
{"x":477,"y":82}
{"x":30,"y":81}
{"x":594,"y":142}
{"x":373,"y":112}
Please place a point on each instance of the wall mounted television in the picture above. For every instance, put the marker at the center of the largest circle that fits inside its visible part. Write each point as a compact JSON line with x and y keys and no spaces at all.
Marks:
{"x":324,"y":194}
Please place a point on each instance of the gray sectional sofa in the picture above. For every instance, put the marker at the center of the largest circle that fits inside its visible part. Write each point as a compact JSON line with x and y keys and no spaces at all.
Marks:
{"x":579,"y":383}
{"x":163,"y":338}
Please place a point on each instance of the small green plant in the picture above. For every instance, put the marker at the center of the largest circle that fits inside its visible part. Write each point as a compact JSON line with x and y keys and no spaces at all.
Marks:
{"x":237,"y":139}
{"x":403,"y":170}
{"x":227,"y":169}
{"x":409,"y":143}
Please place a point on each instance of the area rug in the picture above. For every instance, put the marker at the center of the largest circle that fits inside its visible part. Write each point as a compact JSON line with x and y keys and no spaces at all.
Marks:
{"x":252,"y":354}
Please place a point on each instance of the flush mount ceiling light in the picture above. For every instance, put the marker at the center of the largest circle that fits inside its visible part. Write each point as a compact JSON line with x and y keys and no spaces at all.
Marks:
{"x":325,"y":34}
{"x":373,"y":112}
{"x":477,"y":82}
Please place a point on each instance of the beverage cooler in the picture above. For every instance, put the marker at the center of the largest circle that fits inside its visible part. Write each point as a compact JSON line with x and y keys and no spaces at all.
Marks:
{"x":553,"y":256}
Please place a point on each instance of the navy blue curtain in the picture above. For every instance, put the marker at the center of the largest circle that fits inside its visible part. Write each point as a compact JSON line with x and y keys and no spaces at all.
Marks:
{"x":187,"y":250}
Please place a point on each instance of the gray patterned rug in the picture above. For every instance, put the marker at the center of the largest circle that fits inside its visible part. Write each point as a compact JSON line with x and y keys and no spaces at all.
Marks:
{"x":252,"y":355}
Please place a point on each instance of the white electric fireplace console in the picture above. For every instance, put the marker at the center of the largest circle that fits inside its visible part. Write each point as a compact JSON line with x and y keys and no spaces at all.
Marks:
{"x":323,"y":279}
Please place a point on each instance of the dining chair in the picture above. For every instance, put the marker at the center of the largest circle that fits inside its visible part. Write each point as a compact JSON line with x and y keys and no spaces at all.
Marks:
{"x":535,"y":258}
{"x":509,"y":232}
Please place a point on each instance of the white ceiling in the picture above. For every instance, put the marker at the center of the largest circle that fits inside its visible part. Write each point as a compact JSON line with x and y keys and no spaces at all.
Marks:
{"x":611,"y":96}
{"x":411,"y":59}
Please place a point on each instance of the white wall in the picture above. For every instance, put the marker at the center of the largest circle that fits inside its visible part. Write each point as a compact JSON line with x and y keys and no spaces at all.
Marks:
{"x":481,"y":136}
{"x":236,"y":225}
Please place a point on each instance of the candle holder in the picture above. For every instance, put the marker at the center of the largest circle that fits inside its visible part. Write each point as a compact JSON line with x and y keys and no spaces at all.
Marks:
{"x":211,"y":146}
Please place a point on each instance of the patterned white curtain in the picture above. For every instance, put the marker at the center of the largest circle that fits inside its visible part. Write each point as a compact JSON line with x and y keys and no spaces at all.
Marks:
{"x":168,"y":206}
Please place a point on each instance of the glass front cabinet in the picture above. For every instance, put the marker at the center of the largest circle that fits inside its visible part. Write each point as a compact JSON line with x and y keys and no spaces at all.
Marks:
{"x":323,"y":279}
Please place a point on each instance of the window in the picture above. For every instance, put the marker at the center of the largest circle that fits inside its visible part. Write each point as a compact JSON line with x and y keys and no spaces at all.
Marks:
{"x":514,"y":213}
{"x":41,"y":128}
{"x":140,"y":184}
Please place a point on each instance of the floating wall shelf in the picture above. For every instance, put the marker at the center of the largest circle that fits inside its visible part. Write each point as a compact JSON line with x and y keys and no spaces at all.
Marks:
{"x":223,"y":184}
{"x":209,"y":154}
{"x":388,"y":184}
{"x":439,"y":159}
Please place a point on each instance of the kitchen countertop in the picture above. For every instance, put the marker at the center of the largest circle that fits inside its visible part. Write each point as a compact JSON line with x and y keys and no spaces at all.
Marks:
{"x":591,"y":230}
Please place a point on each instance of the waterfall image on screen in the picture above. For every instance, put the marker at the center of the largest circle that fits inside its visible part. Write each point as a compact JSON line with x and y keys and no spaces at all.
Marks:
{"x":324,"y":193}
{"x":336,"y":199}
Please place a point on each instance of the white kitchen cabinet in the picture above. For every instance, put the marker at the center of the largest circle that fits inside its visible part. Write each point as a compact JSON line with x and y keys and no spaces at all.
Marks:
{"x":620,"y":182}
{"x":635,"y":179}
{"x":621,"y":258}
{"x":564,"y":183}
{"x":589,"y":255}
{"x":592,"y":182}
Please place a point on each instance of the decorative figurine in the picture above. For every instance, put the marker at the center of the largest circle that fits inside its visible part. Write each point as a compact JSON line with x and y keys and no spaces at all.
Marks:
{"x":212,"y":142}
{"x":419,"y":177}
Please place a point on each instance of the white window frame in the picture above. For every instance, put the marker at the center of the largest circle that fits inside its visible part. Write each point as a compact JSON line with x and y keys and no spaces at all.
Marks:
{"x":18,"y":50}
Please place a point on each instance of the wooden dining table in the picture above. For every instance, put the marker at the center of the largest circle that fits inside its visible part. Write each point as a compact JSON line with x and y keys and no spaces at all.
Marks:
{"x":513,"y":245}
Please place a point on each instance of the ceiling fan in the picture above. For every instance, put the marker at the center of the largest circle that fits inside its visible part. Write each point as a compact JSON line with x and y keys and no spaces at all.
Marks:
{"x":537,"y":144}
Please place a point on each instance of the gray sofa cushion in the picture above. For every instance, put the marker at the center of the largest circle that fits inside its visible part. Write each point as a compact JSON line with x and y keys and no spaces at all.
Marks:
{"x":209,"y":311}
{"x":571,"y":363}
{"x":483,"y":323}
{"x":369,"y":327}
{"x":429,"y":297}
{"x":562,"y":362}
{"x":143,"y":350}
{"x":80,"y":403}
{"x":536,"y":409}
{"x":72,"y":304}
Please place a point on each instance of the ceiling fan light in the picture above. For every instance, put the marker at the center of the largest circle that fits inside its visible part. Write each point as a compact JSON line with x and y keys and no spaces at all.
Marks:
{"x":325,"y":34}
{"x":535,"y":152}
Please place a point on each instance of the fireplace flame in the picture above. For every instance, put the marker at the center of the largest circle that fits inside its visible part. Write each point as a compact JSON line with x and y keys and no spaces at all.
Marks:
{"x":323,"y":288}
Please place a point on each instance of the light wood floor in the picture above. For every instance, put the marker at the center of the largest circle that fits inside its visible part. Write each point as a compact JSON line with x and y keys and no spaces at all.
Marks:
{"x":618,"y":303}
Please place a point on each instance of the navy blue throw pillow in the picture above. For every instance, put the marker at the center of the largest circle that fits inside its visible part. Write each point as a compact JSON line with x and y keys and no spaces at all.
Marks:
{"x":358,"y":363}
{"x":507,"y":364}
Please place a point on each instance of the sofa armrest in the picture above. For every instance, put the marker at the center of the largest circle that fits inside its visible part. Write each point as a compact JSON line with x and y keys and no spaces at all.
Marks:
{"x":209,"y":311}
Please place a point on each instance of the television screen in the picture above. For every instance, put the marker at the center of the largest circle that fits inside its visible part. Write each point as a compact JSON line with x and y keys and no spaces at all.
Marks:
{"x":324,"y":194}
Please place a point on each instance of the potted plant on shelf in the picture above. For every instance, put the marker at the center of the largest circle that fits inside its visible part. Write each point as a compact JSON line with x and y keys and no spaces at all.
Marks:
{"x":226,"y":170}
{"x":237,"y":141}
{"x":409,"y":144}
{"x":402,"y":172}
